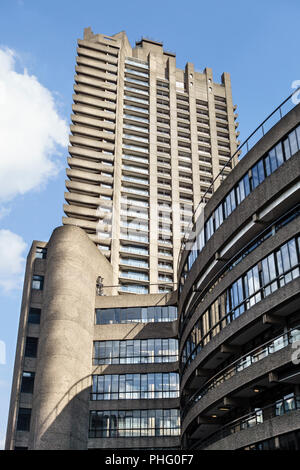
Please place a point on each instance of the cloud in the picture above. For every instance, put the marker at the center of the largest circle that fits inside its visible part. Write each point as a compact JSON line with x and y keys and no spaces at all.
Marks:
{"x":31,"y":131}
{"x":12,"y":261}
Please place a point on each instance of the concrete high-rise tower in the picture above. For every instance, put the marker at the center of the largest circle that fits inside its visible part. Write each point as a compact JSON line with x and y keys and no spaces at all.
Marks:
{"x":147,"y":140}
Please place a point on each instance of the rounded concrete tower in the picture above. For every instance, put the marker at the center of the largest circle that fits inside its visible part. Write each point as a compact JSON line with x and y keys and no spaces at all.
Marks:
{"x":60,"y":410}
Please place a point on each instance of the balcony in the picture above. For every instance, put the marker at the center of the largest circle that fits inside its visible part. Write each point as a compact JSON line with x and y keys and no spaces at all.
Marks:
{"x":136,"y":90}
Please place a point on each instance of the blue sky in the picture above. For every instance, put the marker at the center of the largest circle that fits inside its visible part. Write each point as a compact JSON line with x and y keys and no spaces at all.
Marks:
{"x":256,"y":41}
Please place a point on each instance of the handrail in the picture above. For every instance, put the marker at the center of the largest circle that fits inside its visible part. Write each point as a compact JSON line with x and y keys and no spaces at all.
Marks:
{"x":246,"y":421}
{"x":287,"y":338}
{"x":186,"y":237}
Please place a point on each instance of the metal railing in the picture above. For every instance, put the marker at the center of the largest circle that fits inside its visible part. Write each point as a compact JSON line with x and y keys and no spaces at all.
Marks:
{"x":241,"y":151}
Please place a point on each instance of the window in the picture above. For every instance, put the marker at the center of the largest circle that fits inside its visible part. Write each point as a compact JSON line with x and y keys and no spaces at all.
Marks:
{"x":31,"y":347}
{"x":263,"y":168}
{"x":136,"y":315}
{"x":34,"y":315}
{"x":230,"y":203}
{"x":27,"y":382}
{"x":268,"y":275}
{"x":135,"y":351}
{"x":258,"y":174}
{"x":219,"y":216}
{"x":135,"y":386}
{"x":274,"y":159}
{"x":37,"y":282}
{"x":243,"y":189}
{"x":23,"y":423}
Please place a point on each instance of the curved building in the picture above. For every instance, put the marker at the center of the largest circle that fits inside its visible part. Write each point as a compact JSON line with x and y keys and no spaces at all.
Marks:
{"x":239,"y":318}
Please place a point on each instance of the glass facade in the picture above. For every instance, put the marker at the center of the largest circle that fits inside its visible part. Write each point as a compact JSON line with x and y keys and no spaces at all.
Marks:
{"x":105,"y":316}
{"x":271,"y":273}
{"x":27,"y":382}
{"x":136,"y":351}
{"x":135,"y":386}
{"x":280,"y":153}
{"x":288,"y":441}
{"x":134,"y":423}
{"x":256,"y":355}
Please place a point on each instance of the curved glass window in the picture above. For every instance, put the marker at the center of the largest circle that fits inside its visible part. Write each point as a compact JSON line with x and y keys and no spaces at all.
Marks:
{"x":105,"y":316}
{"x":271,"y":230}
{"x":272,"y":272}
{"x":134,"y":423}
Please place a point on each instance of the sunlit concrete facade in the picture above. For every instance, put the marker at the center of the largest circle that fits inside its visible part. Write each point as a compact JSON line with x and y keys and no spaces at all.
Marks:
{"x":147,"y":140}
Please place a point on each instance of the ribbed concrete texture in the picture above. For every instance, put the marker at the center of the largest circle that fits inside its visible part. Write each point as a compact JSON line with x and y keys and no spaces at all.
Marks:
{"x":60,"y":406}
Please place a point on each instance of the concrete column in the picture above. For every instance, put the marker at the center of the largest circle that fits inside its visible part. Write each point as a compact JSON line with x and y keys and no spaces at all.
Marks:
{"x":60,"y":411}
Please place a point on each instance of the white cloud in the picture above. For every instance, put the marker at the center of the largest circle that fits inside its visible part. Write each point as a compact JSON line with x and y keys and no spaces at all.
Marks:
{"x":31,"y":130}
{"x":12,"y":261}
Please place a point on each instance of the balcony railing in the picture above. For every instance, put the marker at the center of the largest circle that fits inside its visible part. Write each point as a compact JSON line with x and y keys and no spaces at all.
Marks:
{"x":254,"y":356}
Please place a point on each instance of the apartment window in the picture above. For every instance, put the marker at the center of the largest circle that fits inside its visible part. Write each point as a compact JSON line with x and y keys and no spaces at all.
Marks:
{"x":230,"y":203}
{"x":34,"y":315}
{"x":243,"y":189}
{"x":165,"y":278}
{"x":134,"y":423}
{"x":41,"y":252}
{"x":155,"y":314}
{"x":23,"y":422}
{"x":27,"y":382}
{"x":31,"y":346}
{"x":135,"y":386}
{"x":135,"y":351}
{"x":37,"y":282}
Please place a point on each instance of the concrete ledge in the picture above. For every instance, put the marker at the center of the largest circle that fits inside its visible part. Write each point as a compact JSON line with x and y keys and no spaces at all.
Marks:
{"x":270,"y":428}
